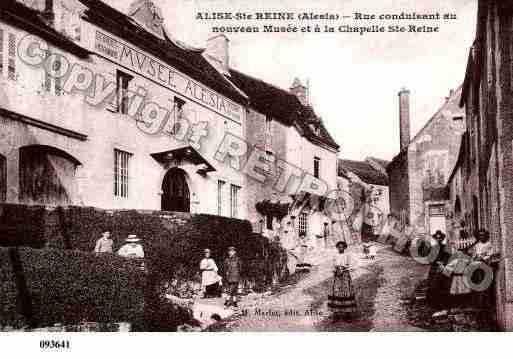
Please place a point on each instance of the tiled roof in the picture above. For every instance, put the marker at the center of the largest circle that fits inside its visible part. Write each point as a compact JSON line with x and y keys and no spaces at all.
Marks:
{"x":268,"y":99}
{"x":363,"y":170}
{"x":185,"y":59}
{"x":379,"y":161}
{"x":282,"y":106}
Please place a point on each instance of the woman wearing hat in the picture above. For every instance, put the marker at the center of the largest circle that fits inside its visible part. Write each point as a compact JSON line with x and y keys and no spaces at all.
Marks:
{"x":342,"y":300}
{"x":439,"y":283}
{"x":132,"y":249}
{"x":210,"y":280}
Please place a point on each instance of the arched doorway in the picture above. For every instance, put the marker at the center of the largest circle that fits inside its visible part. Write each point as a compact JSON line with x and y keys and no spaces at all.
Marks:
{"x":175,"y":191}
{"x":46,"y":175}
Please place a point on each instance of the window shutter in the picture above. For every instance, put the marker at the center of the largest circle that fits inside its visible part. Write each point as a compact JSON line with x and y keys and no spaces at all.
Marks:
{"x":1,"y":51}
{"x":11,"y":67}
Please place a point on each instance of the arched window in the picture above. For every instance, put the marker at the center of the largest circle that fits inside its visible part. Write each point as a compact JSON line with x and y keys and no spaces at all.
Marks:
{"x":47,"y":175}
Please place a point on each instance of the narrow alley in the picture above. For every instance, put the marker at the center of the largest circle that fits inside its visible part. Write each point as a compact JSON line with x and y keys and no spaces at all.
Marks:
{"x":381,"y":284}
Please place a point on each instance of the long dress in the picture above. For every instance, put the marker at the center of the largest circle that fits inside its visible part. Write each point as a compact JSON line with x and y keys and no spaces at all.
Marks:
{"x":342,"y":299}
{"x":483,"y":252}
{"x":210,"y":280}
{"x":439,"y":283}
{"x":460,"y":292}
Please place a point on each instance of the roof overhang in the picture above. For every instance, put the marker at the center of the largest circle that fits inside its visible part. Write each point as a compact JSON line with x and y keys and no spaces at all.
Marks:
{"x":187,"y":153}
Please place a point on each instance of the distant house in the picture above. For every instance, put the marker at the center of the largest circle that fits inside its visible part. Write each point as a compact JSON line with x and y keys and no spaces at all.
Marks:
{"x":291,"y":137}
{"x":367,"y":183}
{"x":419,"y":173}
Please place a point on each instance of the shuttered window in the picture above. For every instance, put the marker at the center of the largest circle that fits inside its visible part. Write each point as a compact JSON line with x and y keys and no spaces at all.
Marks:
{"x":234,"y":199}
{"x":220,"y":189}
{"x":3,"y":178}
{"x":11,"y":65}
{"x":1,"y":51}
{"x":302,"y":223}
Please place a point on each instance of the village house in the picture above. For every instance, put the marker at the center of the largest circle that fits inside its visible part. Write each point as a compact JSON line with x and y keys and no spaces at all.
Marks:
{"x":418,"y":175}
{"x":482,"y":181}
{"x":149,"y":145}
{"x":367,"y":184}
{"x":284,"y":126}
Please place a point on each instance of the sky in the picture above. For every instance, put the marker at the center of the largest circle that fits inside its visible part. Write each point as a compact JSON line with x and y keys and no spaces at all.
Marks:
{"x":354,"y":79}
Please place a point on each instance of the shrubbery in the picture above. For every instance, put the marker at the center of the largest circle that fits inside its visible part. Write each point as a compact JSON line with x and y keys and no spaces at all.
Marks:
{"x":66,"y":282}
{"x":45,"y":287}
{"x":173,"y":242}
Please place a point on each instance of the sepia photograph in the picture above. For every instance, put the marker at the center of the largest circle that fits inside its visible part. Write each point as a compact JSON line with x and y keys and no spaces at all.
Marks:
{"x":237,"y":166}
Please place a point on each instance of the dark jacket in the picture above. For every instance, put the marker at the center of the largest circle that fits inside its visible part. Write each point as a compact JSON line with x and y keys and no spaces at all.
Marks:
{"x":232,"y":269}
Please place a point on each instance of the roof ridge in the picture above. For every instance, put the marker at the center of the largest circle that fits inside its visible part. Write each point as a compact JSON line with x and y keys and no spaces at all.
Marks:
{"x":265,"y":82}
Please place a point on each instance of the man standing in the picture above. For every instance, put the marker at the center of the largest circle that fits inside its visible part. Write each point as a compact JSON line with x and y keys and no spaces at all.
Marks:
{"x":104,"y":243}
{"x":232,"y":269}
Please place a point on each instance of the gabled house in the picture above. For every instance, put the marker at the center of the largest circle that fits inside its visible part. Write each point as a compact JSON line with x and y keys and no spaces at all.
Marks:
{"x":295,"y":143}
{"x":418,"y":175}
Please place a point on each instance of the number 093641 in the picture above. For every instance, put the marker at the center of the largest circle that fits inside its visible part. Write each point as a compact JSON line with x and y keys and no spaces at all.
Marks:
{"x":54,"y":344}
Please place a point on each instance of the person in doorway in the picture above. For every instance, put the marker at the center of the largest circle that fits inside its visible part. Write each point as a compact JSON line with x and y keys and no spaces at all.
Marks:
{"x":342,"y":300}
{"x":210,"y":280}
{"x":232,"y":270}
{"x":132,"y":249}
{"x":104,"y":243}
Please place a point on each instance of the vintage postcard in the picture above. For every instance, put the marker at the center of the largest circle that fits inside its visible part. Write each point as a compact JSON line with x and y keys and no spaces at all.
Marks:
{"x":244,"y":166}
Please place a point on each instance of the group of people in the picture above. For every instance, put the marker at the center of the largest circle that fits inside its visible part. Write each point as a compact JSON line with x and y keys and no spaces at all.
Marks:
{"x":131,"y":249}
{"x":447,"y":285}
{"x":212,"y":283}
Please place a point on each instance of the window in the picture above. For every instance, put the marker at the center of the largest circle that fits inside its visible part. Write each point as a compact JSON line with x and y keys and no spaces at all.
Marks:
{"x":3,"y":179}
{"x":457,"y":118}
{"x":56,"y":82}
{"x":302,"y":225}
{"x":122,"y":81}
{"x":220,"y":189}
{"x":268,"y":134}
{"x":269,"y":222}
{"x":234,"y":200}
{"x":121,"y":163}
{"x":11,"y":65}
{"x":317,"y":166}
{"x":174,"y":126}
{"x":269,"y":159}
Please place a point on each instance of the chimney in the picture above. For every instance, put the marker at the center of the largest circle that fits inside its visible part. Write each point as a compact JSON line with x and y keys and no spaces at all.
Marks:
{"x":148,"y":15}
{"x":217,"y":53}
{"x":300,"y":91}
{"x":404,"y":117}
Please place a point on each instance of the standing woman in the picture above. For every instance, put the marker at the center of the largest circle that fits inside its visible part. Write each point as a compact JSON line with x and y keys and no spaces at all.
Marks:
{"x":342,"y":300}
{"x":210,"y":280}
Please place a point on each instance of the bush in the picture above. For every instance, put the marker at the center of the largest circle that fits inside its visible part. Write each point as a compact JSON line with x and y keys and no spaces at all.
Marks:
{"x":52,"y":286}
{"x":173,"y":242}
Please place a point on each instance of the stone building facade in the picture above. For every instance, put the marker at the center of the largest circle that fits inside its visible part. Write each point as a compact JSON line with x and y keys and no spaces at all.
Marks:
{"x":418,"y":175}
{"x":106,"y":109}
{"x":485,"y":169}
{"x":136,"y":148}
{"x":292,"y":139}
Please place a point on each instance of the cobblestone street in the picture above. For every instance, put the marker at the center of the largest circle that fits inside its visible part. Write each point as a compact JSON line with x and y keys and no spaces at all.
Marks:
{"x":380,"y":286}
